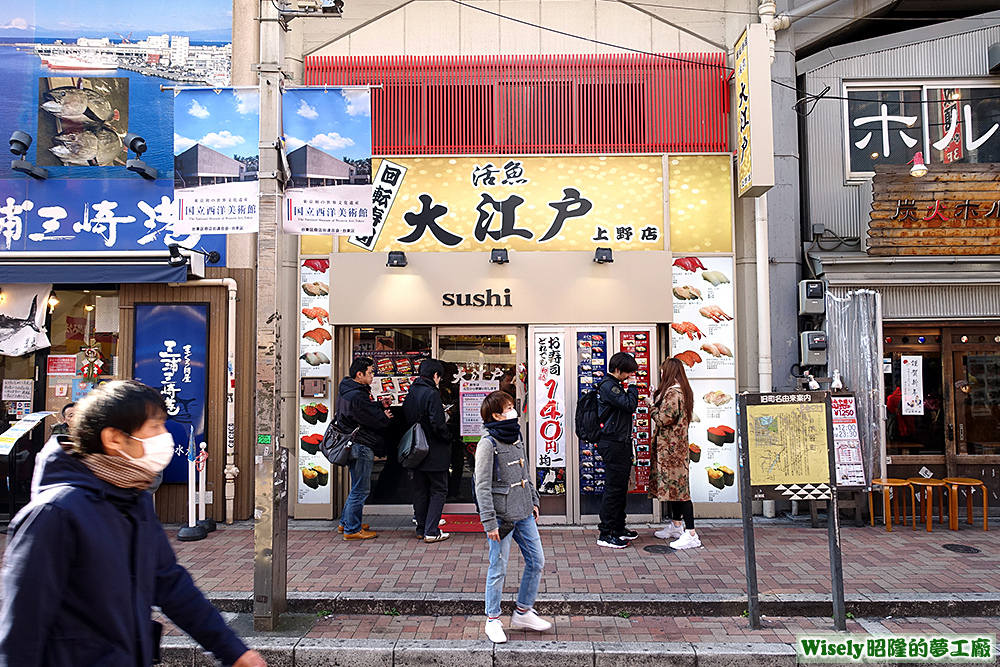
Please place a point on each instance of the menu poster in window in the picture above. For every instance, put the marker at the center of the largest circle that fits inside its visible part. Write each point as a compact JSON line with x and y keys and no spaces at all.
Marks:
{"x":18,"y":390}
{"x":592,"y":366}
{"x":712,"y":453}
{"x":912,"y":383}
{"x":470,"y":396}
{"x":315,"y":351}
{"x":638,"y":344}
{"x":847,"y":442}
{"x":548,"y":416}
{"x":703,"y":333}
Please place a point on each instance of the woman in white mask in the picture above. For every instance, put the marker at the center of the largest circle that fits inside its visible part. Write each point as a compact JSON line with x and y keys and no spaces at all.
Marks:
{"x":508,"y":508}
{"x":87,"y":559}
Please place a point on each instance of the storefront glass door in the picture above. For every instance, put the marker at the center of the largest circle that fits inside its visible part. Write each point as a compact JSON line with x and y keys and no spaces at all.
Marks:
{"x":977,"y":401}
{"x":476,"y":362}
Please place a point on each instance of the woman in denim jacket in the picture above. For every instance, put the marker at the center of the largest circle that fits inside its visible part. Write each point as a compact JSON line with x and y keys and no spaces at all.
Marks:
{"x":508,"y":501}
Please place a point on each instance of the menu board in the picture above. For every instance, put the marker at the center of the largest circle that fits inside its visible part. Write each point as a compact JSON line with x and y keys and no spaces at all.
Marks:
{"x":847,"y":441}
{"x":703,"y":337}
{"x":395,"y":371}
{"x":315,"y":350}
{"x":471,"y":394}
{"x":592,"y":365}
{"x":638,"y":343}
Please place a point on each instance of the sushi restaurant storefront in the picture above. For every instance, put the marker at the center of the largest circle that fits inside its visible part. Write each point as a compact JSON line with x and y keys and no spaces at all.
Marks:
{"x":539,"y":320}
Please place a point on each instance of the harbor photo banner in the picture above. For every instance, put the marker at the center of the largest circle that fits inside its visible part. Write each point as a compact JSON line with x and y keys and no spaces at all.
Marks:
{"x":328,"y":142}
{"x":171,"y":355}
{"x":216,"y":133}
{"x":76,"y":77}
{"x":524,"y":203}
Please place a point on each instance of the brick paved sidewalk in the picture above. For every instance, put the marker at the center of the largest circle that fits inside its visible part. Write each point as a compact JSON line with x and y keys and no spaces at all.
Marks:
{"x":791,"y":557}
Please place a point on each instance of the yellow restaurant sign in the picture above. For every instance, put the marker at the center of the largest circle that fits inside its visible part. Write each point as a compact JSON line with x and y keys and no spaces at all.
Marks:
{"x":755,"y":143}
{"x":468,"y":203}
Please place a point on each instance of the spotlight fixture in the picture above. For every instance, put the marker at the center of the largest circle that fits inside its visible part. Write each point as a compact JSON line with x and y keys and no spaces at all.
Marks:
{"x":136,"y":144}
{"x":603,"y":256}
{"x":499,"y":256}
{"x":177,"y":259}
{"x":397,"y":259}
{"x":19,"y":143}
{"x":919,"y":169}
{"x":53,"y":301}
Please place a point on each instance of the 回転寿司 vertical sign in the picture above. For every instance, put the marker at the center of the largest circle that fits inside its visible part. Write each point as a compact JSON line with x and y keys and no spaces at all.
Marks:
{"x":171,"y":356}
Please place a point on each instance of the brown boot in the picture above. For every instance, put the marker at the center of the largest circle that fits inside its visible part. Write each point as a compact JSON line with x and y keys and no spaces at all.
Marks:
{"x":361,"y":535}
{"x":364,"y":526}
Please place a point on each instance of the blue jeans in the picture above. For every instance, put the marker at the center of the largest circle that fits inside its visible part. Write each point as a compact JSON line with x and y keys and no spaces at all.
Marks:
{"x":361,"y":482}
{"x":525,"y":533}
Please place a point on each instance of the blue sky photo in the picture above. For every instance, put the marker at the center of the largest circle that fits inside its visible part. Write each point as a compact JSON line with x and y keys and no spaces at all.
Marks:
{"x":336,"y":121}
{"x":227,"y":121}
{"x":201,"y":20}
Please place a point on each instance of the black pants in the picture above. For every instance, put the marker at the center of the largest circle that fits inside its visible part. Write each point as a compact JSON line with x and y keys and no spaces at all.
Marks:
{"x":617,"y":458}
{"x":431,"y":489}
{"x":682,"y":509}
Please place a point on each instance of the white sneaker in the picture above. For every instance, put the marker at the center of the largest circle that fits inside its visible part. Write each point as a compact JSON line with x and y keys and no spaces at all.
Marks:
{"x":686,"y":541}
{"x":529,"y":620}
{"x":669,"y":532}
{"x":494,"y":631}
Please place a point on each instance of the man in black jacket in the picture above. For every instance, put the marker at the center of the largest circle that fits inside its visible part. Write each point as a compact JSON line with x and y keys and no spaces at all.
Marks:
{"x":616,"y":406}
{"x":423,"y":404}
{"x":355,"y":407}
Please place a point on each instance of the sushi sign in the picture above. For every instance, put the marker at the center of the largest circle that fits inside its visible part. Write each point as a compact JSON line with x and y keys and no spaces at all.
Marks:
{"x":550,"y":398}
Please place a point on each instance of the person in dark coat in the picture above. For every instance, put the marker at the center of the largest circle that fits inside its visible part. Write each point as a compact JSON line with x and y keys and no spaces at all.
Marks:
{"x":355,"y":407}
{"x":87,"y":559}
{"x":616,"y":405}
{"x":423,"y":404}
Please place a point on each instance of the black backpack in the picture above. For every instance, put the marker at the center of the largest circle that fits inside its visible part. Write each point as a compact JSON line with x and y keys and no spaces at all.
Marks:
{"x":588,"y":419}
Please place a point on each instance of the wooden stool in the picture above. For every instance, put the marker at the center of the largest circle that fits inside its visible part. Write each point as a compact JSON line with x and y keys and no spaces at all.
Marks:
{"x":953,"y":484}
{"x":890,"y":482}
{"x":927,"y":504}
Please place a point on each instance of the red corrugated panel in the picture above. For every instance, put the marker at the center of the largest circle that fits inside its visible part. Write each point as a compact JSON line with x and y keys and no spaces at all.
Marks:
{"x":608,"y":103}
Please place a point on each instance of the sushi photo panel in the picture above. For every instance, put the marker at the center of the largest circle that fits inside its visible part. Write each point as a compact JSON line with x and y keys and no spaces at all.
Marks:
{"x":703,"y":331}
{"x":315,"y":352}
{"x":713,"y":454}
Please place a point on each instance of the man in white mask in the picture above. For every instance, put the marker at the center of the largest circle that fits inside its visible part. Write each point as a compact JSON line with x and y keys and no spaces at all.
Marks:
{"x":87,"y":559}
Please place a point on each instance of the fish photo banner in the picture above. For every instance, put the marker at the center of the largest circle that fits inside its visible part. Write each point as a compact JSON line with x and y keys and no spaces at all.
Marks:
{"x":22,"y":319}
{"x":328,"y":140}
{"x":216,"y":133}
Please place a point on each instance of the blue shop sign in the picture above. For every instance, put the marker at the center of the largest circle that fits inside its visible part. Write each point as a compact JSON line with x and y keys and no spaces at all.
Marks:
{"x":105,"y":215}
{"x":171,"y":355}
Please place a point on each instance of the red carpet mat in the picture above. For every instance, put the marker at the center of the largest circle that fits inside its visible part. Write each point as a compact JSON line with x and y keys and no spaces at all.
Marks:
{"x":461,"y":523}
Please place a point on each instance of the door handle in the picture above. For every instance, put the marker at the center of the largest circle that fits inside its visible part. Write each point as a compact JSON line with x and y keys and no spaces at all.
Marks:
{"x":951,"y":432}
{"x":961,"y":432}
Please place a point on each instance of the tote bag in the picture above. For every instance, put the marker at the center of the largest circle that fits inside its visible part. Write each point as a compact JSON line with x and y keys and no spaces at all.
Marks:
{"x":336,"y":444}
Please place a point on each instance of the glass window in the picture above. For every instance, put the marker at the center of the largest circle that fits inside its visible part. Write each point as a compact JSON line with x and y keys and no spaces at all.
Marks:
{"x":977,"y":402}
{"x":883,"y":127}
{"x":397,"y":353}
{"x":964,"y":124}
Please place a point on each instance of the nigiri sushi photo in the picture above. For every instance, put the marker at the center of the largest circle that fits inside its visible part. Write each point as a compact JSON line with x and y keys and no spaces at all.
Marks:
{"x":716,"y":278}
{"x":717,"y":350}
{"x":689,"y":329}
{"x":687,"y":293}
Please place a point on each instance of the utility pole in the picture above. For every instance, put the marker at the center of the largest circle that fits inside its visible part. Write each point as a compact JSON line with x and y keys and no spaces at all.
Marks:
{"x":271,"y":455}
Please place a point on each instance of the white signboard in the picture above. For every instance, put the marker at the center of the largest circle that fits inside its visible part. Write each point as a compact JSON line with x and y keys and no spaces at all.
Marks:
{"x":548,"y":377}
{"x":384,"y":189}
{"x":226,"y":208}
{"x":340,"y":210}
{"x":847,"y":442}
{"x":18,"y":390}
{"x":471,"y":394}
{"x":912,"y":384}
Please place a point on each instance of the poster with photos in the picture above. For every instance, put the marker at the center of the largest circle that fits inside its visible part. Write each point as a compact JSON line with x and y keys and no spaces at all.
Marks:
{"x":639,"y":343}
{"x":315,"y":351}
{"x":592,"y":366}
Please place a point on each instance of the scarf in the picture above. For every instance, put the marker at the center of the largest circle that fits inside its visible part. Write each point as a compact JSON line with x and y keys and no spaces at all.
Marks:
{"x":114,"y":470}
{"x":507,"y":431}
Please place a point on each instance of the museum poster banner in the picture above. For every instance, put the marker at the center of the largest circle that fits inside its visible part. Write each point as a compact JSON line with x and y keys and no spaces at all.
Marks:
{"x":76,"y":86}
{"x":216,"y":133}
{"x":171,"y":355}
{"x":328,"y":144}
{"x":524,"y":203}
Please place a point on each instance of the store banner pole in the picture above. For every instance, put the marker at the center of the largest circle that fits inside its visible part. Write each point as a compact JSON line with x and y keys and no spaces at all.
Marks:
{"x":749,"y":547}
{"x":192,"y":531}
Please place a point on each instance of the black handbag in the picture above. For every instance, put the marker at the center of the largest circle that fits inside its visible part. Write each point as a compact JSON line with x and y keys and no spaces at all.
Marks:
{"x":336,"y":444}
{"x":413,"y":446}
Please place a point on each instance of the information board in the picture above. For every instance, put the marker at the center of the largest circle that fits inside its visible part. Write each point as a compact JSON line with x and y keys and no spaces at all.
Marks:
{"x":471,"y":394}
{"x":847,"y":441}
{"x":788,"y":439}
